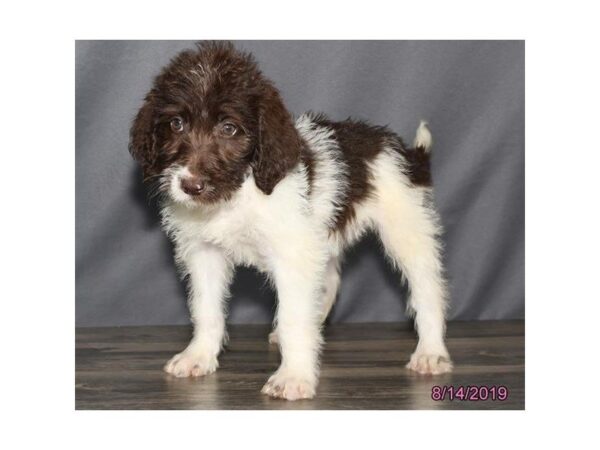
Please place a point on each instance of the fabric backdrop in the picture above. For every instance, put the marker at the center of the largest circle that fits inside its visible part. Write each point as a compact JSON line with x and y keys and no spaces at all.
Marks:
{"x":472,"y":94}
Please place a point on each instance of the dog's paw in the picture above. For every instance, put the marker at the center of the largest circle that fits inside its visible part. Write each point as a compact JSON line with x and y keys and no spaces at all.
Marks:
{"x":287,"y":385}
{"x":429,"y":363}
{"x":187,"y":364}
{"x":273,"y":337}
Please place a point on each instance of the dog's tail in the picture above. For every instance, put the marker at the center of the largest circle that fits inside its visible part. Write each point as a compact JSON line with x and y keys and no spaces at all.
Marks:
{"x":423,"y":138}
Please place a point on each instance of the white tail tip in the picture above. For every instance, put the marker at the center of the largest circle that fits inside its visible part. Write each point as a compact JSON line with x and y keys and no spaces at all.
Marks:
{"x":423,"y":138}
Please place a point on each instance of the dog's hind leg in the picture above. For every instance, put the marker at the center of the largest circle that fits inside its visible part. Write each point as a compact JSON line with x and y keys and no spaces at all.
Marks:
{"x":331,"y":286}
{"x":408,"y":227}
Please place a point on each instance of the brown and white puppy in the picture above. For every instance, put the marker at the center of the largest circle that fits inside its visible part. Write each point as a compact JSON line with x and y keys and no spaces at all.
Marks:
{"x":242,"y":183}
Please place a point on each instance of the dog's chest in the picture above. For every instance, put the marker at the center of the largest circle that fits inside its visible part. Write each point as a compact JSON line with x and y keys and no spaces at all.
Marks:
{"x":234,"y":227}
{"x":236,"y":232}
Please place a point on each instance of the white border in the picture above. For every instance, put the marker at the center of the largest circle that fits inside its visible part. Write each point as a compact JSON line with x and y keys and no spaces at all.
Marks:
{"x":38,"y":221}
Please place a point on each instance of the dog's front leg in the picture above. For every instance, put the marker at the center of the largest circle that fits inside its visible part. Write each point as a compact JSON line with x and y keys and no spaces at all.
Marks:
{"x":210,"y":274}
{"x":298,"y":271}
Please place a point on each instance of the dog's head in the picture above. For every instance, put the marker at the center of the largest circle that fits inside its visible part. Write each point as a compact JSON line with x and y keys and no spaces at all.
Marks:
{"x":209,"y":120}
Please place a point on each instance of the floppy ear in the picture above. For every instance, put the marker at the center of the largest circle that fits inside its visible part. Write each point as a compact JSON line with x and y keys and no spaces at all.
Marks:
{"x":278,"y":147}
{"x":142,"y":141}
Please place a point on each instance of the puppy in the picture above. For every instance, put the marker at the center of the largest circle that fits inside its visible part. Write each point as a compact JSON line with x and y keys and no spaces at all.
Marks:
{"x":242,"y":183}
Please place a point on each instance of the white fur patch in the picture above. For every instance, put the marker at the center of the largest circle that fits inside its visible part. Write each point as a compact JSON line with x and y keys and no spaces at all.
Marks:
{"x":330,"y":182}
{"x":423,"y":137}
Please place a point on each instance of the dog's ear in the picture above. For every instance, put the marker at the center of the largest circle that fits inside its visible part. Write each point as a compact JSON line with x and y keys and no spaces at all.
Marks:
{"x":278,"y":144}
{"x":142,"y":140}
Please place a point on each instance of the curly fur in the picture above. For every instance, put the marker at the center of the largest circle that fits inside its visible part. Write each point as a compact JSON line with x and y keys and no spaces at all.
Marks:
{"x":242,"y":183}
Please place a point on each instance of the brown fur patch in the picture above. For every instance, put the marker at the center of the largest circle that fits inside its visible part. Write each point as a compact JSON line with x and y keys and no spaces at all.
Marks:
{"x":308,"y":160}
{"x":419,"y":165}
{"x":279,"y":144}
{"x":360,"y":143}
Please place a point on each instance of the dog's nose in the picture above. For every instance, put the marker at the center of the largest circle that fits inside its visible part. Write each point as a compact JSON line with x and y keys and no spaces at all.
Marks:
{"x":193,"y":186}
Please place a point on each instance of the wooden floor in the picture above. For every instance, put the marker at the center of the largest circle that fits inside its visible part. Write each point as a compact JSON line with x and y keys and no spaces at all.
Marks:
{"x":362,"y":368}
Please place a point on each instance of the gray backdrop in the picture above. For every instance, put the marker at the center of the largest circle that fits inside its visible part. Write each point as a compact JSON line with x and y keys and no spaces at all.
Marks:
{"x":472,"y":93}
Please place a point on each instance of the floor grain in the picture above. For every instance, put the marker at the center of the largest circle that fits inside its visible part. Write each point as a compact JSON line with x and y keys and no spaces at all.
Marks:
{"x":362,"y":368}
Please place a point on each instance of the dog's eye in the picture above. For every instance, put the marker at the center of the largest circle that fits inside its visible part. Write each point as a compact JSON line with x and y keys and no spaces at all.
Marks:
{"x":177,"y":124}
{"x":228,"y":129}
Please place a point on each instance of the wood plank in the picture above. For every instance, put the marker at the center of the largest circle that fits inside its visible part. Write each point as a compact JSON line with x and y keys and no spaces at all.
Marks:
{"x":362,"y":368}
